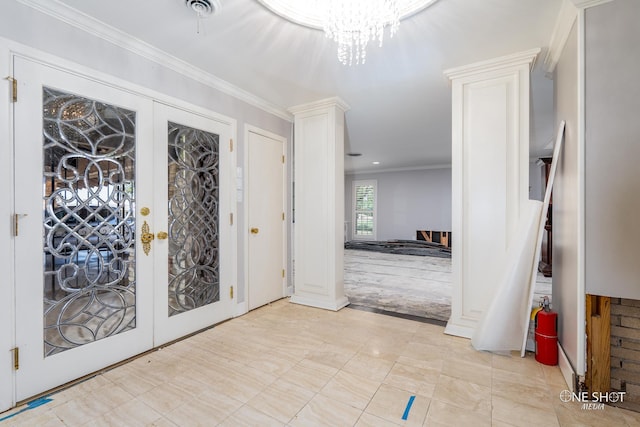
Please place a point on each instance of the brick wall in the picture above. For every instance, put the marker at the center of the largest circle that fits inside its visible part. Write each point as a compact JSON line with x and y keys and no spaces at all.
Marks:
{"x":625,"y":350}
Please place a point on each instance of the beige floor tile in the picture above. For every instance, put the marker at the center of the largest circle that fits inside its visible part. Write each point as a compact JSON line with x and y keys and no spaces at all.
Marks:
{"x":162,"y":422}
{"x":368,"y":420}
{"x":322,"y":411}
{"x":370,"y":367}
{"x":631,"y":418}
{"x":390,"y":404}
{"x":292,"y":364}
{"x":80,"y":411}
{"x":463,"y":394}
{"x":553,"y":375}
{"x":274,"y":362}
{"x":465,"y":352}
{"x":192,"y":381}
{"x":331,"y":355}
{"x":499,"y":375}
{"x":384,"y":347}
{"x":527,"y":393}
{"x":82,"y":388}
{"x":250,"y":417}
{"x":412,"y":378}
{"x":282,"y":400}
{"x":350,"y":389}
{"x":198,"y":412}
{"x":240,"y":385}
{"x":441,"y":413}
{"x":165,"y":398}
{"x":572,"y":415}
{"x":464,"y":370}
{"x":310,"y":375}
{"x":498,"y":423}
{"x":521,"y":415}
{"x":135,"y":384}
{"x":428,"y":362}
{"x":33,"y":417}
{"x":425,"y":352}
{"x":526,"y":366}
{"x":134,"y":413}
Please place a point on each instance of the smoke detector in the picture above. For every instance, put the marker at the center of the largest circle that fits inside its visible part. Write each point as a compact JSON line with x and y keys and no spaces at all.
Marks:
{"x":204,"y":8}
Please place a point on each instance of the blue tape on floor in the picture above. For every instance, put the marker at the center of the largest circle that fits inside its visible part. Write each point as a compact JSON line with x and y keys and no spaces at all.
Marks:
{"x":408,"y":408}
{"x":31,"y":405}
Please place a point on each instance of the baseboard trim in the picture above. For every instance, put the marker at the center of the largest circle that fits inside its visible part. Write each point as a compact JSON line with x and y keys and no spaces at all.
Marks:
{"x":566,"y":369}
{"x":321,"y":303}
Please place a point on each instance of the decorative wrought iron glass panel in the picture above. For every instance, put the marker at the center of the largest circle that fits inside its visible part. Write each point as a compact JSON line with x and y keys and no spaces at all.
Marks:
{"x":194,"y":272}
{"x":89,"y":226}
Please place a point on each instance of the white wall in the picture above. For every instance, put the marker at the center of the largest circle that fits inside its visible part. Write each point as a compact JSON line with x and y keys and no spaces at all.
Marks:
{"x":32,"y":28}
{"x":536,"y":180}
{"x":407,"y":201}
{"x":612,"y":140}
{"x":418,"y":200}
{"x":567,"y":295}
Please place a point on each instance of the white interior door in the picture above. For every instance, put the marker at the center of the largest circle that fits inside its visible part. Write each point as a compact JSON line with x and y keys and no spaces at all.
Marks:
{"x":194,"y":257}
{"x":83,"y":283}
{"x":266,"y":218}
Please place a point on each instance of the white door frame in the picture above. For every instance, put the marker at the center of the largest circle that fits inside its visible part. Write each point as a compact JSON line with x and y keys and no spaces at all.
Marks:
{"x":244,"y":306}
{"x":7,"y":314}
{"x":10,"y":49}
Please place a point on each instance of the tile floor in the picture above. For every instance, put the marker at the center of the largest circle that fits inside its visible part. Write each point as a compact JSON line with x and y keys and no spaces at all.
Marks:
{"x":290,"y":365}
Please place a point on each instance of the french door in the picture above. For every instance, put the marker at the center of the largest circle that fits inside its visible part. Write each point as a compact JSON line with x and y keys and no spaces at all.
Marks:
{"x":121,"y":243}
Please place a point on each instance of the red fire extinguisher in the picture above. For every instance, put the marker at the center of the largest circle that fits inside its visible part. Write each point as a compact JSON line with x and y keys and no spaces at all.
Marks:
{"x":546,"y":328}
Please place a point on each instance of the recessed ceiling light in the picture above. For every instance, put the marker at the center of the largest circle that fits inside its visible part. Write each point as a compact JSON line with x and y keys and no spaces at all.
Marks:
{"x":376,"y":163}
{"x":354,"y":154}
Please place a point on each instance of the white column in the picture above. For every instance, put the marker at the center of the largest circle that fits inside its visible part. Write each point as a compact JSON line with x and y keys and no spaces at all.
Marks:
{"x":490,"y":177}
{"x":319,"y":204}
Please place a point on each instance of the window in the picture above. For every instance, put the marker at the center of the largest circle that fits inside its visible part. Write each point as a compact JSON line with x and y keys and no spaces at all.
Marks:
{"x":364,"y":209}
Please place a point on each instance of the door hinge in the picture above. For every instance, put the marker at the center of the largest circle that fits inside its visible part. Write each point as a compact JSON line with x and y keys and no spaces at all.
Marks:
{"x":230,"y":219}
{"x":283,"y":216}
{"x":282,"y":159}
{"x":16,"y":221}
{"x":231,"y":292}
{"x":16,"y":358}
{"x":14,"y":89}
{"x":283,"y":272}
{"x":231,"y":145}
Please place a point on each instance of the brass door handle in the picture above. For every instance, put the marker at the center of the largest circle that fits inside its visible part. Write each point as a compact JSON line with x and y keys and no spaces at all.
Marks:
{"x":146,"y":237}
{"x":254,"y":230}
{"x":162,"y":235}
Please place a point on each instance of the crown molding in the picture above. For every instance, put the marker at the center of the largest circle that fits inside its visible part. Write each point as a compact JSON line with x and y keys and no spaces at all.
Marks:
{"x":562,"y":29}
{"x":564,"y":22}
{"x":317,"y":105}
{"x":91,"y":25}
{"x":516,"y":59}
{"x":584,"y":4}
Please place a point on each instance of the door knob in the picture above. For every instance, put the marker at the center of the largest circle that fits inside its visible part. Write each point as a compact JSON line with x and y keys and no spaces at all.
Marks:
{"x":162,"y":235}
{"x":254,"y":230}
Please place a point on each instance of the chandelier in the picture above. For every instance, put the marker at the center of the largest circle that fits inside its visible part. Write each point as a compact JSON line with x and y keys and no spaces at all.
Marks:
{"x":352,"y":24}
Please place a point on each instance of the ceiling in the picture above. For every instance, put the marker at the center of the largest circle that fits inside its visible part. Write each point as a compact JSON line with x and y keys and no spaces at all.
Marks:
{"x":400,"y":102}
